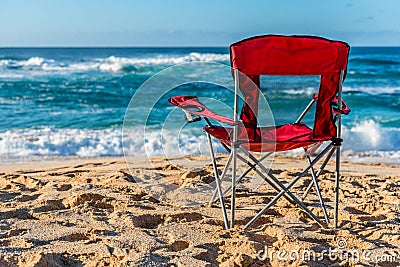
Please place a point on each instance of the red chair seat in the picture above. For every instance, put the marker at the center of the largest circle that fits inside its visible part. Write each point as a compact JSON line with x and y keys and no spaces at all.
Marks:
{"x":279,"y":138}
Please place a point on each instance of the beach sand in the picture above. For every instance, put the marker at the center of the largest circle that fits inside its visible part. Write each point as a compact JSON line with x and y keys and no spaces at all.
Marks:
{"x":90,"y":212}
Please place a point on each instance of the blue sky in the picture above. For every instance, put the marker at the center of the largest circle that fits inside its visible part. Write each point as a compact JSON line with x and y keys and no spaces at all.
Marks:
{"x":193,"y":23}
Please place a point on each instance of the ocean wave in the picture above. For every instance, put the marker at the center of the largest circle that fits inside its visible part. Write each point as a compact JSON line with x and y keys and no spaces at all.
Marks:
{"x":11,"y":76}
{"x":9,"y":101}
{"x":109,"y":64}
{"x":30,"y":62}
{"x":366,"y":138}
{"x":24,"y":143}
{"x":303,"y":91}
{"x":48,"y":141}
{"x":368,"y":135}
{"x":373,"y":90}
{"x":35,"y":61}
{"x":373,"y":61}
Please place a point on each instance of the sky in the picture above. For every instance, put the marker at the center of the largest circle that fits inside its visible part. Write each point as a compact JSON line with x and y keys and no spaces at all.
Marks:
{"x":193,"y":23}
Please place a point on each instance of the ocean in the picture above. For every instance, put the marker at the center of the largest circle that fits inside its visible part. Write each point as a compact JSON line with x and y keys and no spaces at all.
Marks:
{"x":62,"y":102}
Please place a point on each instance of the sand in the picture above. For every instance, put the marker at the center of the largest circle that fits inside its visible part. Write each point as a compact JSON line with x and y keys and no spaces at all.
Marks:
{"x":91,"y":212}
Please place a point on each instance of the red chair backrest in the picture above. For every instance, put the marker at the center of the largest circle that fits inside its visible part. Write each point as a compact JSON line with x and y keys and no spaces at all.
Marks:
{"x":290,"y":55}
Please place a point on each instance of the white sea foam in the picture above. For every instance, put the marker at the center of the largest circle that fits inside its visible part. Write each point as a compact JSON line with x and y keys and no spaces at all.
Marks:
{"x":9,"y":101}
{"x":368,"y":135}
{"x":114,"y":64}
{"x":372,"y":90}
{"x":306,"y":91}
{"x":165,"y":142}
{"x":362,"y":89}
{"x":365,"y":139}
{"x":46,"y":141}
{"x":59,"y":142}
{"x":11,"y":75}
{"x":4,"y":62}
{"x":34,"y":61}
{"x":109,"y":64}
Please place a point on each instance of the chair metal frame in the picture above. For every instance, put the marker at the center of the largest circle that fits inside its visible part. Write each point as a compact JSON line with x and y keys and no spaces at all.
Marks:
{"x":266,"y":173}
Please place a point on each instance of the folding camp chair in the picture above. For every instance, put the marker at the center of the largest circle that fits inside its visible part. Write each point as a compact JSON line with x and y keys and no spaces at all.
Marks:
{"x":278,"y":55}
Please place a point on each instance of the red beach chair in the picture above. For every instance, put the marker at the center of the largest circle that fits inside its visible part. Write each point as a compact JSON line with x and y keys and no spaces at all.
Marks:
{"x":278,"y":55}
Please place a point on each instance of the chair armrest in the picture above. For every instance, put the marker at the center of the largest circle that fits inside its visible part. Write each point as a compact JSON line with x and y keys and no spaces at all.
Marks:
{"x":192,"y":105}
{"x":345,"y":108}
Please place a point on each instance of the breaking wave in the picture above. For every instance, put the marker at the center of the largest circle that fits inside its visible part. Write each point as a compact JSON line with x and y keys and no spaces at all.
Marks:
{"x":108,"y":64}
{"x":364,"y":139}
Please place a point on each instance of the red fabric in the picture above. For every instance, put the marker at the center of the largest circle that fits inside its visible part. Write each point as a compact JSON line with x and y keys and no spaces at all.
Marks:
{"x":345,"y":108}
{"x":290,"y":55}
{"x":249,"y":111}
{"x":192,"y":105}
{"x":280,"y":138}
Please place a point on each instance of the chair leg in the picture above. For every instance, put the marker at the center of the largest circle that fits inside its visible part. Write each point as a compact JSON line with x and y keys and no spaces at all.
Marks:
{"x":214,"y":197}
{"x":233,"y":186}
{"x":337,"y":178}
{"x":217,"y":181}
{"x":286,"y":189}
{"x":319,"y":172}
{"x":321,"y":200}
